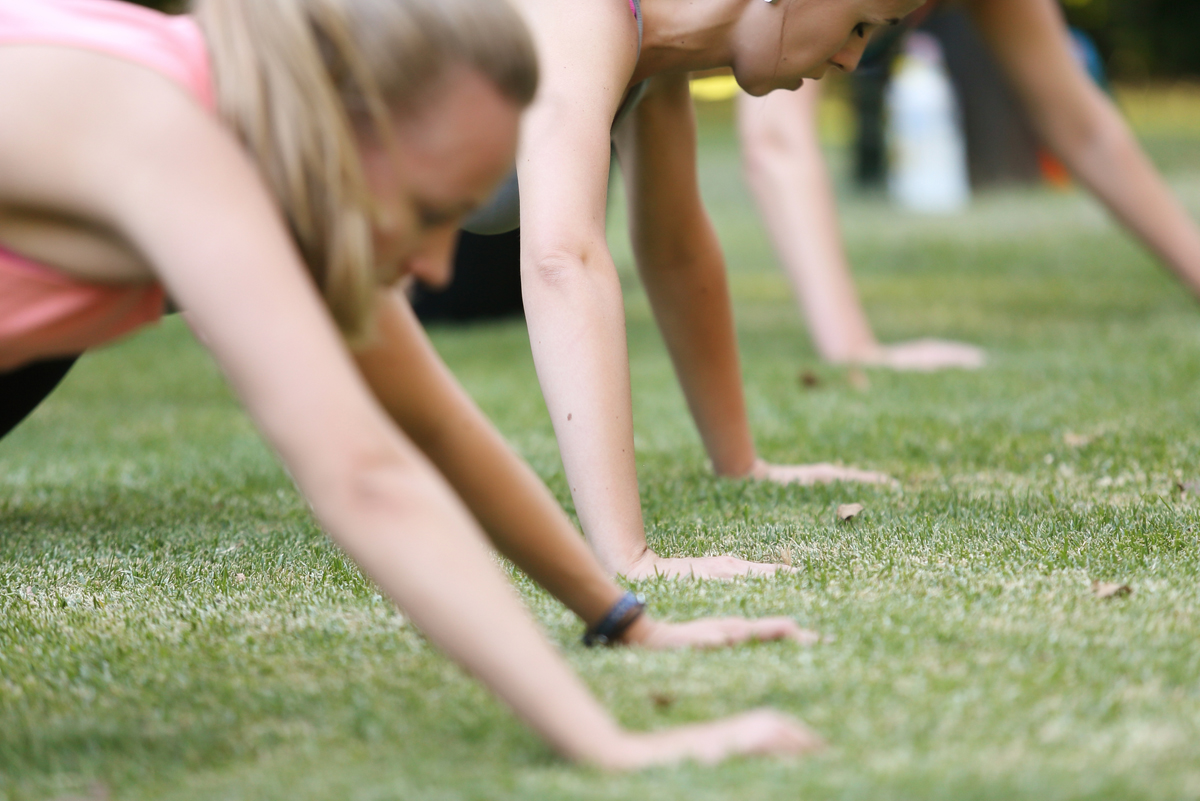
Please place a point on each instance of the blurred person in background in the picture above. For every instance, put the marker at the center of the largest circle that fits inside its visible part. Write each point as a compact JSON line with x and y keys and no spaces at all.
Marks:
{"x":1072,"y":116}
{"x":275,"y":167}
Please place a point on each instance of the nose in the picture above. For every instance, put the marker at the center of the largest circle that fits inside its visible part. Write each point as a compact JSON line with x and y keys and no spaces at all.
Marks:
{"x":848,"y":57}
{"x":432,"y":262}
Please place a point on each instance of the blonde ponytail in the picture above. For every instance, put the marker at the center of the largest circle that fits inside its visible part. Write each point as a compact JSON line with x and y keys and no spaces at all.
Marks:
{"x":298,"y":80}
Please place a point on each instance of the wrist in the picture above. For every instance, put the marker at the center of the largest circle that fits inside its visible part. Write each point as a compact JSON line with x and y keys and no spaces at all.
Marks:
{"x":756,"y":468}
{"x":610,"y":629}
{"x":639,"y":632}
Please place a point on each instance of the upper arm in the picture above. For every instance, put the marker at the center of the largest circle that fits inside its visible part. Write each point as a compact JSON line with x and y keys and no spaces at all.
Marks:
{"x":152,"y":166}
{"x":1032,"y":43}
{"x":587,"y":52}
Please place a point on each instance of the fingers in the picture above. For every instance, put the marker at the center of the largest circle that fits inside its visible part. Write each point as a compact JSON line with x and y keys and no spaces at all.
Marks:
{"x":810,"y":474}
{"x":766,"y":732}
{"x":711,"y":633}
{"x":781,"y":735}
{"x":769,"y":629}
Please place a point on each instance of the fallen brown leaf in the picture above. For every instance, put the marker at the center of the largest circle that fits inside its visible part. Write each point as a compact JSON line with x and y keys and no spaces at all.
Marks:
{"x":809,"y":379}
{"x":1104,"y":590}
{"x":1073,"y":440}
{"x":849,"y":511}
{"x":662,"y":700}
{"x":857,"y":378}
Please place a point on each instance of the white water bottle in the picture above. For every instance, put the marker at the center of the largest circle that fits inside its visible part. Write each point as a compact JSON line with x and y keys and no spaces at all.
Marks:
{"x":928,"y":155}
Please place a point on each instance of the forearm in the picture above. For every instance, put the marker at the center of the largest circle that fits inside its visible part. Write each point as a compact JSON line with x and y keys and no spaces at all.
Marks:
{"x":686,"y":283}
{"x":1112,"y":164}
{"x":787,"y":174}
{"x":1083,"y":127}
{"x":682,"y":268}
{"x":516,"y":510}
{"x":575,"y":315}
{"x":417,"y":542}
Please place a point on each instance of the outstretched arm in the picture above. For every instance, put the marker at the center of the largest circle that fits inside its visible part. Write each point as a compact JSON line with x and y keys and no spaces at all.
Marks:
{"x":787,"y":174}
{"x":683,"y":269}
{"x":517,"y":511}
{"x":147,"y":164}
{"x":1083,"y":127}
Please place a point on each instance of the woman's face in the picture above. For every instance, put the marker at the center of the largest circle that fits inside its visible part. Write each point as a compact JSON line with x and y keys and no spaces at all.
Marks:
{"x":446,"y":160}
{"x":779,"y":44}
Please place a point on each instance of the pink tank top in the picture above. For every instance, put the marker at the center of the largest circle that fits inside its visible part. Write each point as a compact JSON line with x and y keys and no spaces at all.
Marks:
{"x":44,"y":313}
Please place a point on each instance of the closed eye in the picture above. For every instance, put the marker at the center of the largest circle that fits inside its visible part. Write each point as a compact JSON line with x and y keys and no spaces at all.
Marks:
{"x":861,"y":30}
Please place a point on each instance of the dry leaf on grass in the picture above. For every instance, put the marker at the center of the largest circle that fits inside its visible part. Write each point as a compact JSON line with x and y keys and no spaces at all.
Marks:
{"x":1188,"y":487}
{"x":785,"y":555}
{"x":1103,"y":590}
{"x":857,"y":378}
{"x":809,"y":379}
{"x":662,"y":700}
{"x":849,"y":511}
{"x":1073,"y":440}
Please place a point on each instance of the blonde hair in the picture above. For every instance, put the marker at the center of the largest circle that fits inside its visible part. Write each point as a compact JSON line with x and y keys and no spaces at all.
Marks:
{"x":299,"y":80}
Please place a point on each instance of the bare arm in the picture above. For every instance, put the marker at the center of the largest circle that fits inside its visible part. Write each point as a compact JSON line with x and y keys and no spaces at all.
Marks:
{"x":572,"y":295}
{"x":516,"y":509}
{"x":143,"y":161}
{"x":683,"y":269}
{"x":1084,"y":129}
{"x":786,"y":172}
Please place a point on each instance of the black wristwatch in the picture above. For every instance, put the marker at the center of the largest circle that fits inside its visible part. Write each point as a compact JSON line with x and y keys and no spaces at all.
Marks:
{"x":618,"y":620}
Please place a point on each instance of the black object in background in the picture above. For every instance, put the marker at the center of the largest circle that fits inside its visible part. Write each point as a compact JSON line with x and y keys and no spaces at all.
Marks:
{"x":486,"y":283}
{"x":21,"y":390}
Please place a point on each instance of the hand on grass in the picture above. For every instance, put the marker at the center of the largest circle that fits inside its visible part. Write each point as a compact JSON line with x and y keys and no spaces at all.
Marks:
{"x":762,"y":732}
{"x":926,"y":356}
{"x":650,"y":565}
{"x":715,"y":632}
{"x":809,"y":474}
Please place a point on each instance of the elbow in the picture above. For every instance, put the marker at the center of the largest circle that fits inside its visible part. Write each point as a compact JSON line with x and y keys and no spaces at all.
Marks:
{"x":367,"y":485}
{"x":557,"y":266}
{"x":1083,"y":132}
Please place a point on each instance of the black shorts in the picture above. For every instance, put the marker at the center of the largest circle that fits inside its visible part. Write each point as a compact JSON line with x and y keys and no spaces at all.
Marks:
{"x":21,"y":390}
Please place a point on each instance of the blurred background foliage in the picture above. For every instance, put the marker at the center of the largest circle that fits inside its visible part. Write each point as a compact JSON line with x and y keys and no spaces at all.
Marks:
{"x":1143,"y":39}
{"x":1140,"y":39}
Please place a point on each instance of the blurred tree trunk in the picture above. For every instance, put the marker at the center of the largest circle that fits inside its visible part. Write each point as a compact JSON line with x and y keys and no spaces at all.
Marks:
{"x":1001,"y":146}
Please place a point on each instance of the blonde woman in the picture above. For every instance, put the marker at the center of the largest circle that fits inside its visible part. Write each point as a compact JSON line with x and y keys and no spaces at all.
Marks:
{"x":274,"y":167}
{"x":616,"y":73}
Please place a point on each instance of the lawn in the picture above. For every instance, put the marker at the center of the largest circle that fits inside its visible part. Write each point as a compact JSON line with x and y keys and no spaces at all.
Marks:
{"x":173,"y":625}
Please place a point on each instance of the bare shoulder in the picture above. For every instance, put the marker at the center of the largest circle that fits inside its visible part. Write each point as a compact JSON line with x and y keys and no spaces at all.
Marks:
{"x":585,"y":48}
{"x":80,"y":112}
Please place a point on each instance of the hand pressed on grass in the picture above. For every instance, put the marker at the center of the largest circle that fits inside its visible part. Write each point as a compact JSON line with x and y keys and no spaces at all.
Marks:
{"x":820,"y":473}
{"x":721,"y":568}
{"x":716,"y":633}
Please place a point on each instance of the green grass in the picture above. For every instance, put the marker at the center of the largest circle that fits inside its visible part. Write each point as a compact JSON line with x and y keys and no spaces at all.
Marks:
{"x":173,"y":626}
